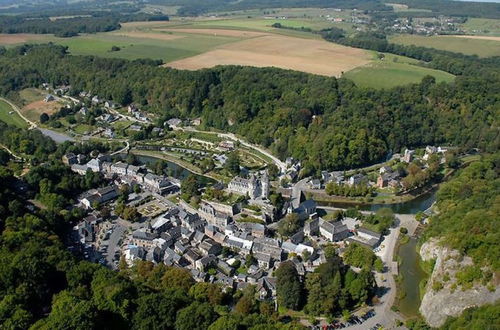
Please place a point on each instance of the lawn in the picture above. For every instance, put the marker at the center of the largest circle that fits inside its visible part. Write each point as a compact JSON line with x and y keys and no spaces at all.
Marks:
{"x":468,"y":46}
{"x":9,"y":118}
{"x":393,"y":71}
{"x":30,"y":95}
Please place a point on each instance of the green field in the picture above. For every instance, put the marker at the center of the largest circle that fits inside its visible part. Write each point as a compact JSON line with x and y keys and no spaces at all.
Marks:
{"x":389,"y":73}
{"x":468,"y":46}
{"x":134,"y":48}
{"x":482,"y":26}
{"x":10,"y":118}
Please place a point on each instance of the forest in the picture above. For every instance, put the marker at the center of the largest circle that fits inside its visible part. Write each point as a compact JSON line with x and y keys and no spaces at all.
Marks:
{"x":328,"y":123}
{"x":72,"y":26}
{"x":468,"y":218}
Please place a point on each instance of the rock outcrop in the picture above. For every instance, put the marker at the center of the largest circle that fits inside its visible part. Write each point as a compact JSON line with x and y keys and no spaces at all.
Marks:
{"x":450,"y":300}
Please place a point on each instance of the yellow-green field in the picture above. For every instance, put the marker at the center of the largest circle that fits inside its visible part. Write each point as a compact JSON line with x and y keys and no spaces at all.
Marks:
{"x":482,"y":26}
{"x":10,"y":117}
{"x":462,"y":44}
{"x":393,"y":71}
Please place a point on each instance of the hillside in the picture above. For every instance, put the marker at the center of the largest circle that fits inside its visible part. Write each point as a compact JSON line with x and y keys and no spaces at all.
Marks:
{"x":462,"y":243}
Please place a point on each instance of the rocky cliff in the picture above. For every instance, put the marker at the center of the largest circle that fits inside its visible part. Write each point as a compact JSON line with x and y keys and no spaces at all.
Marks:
{"x":444,"y":297}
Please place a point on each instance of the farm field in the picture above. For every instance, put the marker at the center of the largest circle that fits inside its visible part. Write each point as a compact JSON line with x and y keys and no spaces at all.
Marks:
{"x":10,"y":117}
{"x":468,"y":46}
{"x":387,"y":73}
{"x":314,"y":56}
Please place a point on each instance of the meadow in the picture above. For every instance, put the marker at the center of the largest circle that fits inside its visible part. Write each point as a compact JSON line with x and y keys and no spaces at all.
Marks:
{"x":10,"y":117}
{"x":482,"y":26}
{"x":393,"y":71}
{"x":464,"y":45}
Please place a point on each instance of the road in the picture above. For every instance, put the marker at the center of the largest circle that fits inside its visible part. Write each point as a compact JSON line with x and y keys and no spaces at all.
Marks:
{"x":16,"y":109}
{"x":10,"y":152}
{"x":383,"y":313}
{"x":113,"y":241}
{"x":233,"y":137}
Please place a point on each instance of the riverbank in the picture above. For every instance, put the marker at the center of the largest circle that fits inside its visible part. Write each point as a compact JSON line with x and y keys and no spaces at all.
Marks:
{"x":179,"y":162}
{"x":411,"y":279}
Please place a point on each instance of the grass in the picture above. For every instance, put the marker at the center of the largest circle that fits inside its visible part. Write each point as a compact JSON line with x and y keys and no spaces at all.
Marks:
{"x":482,"y":26}
{"x":393,"y":71}
{"x":134,"y":48}
{"x":30,"y":95}
{"x":9,"y":118}
{"x":468,"y":46}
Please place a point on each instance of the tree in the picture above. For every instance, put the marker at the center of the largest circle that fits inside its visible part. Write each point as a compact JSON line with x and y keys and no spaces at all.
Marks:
{"x":195,"y":316}
{"x":190,"y":187}
{"x":289,"y":225}
{"x":158,"y":310}
{"x":288,"y":286}
{"x":44,"y":118}
{"x":233,"y":163}
{"x":207,"y":292}
{"x":178,"y":278}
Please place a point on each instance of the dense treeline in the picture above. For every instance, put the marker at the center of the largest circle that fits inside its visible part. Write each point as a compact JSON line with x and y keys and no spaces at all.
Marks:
{"x":71,"y":26}
{"x":454,"y":63}
{"x":326,"y":122}
{"x":468,"y":218}
{"x":328,"y":291}
{"x":457,"y":8}
{"x":195,"y":7}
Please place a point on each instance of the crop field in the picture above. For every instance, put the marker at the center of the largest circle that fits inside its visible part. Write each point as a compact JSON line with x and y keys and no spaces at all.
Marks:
{"x":468,"y":46}
{"x":314,"y":56}
{"x":20,"y":38}
{"x":389,"y":73}
{"x":10,"y":117}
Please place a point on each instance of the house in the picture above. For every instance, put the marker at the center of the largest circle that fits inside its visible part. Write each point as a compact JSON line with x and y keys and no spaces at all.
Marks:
{"x":255,"y":229}
{"x":333,"y":231}
{"x":315,"y":184}
{"x":49,"y":98}
{"x":366,"y":237}
{"x":212,"y":216}
{"x":306,"y":209}
{"x":204,"y":263}
{"x":161,"y":224}
{"x":356,"y":179}
{"x":385,"y":169}
{"x":408,"y":155}
{"x":96,"y":100}
{"x":225,"y":268}
{"x":171,"y":258}
{"x":387,"y":179}
{"x":263,"y":260}
{"x":325,"y":176}
{"x":226,"y":146}
{"x":94,"y":165}
{"x":144,"y":238}
{"x":209,"y":246}
{"x":191,"y":255}
{"x":174,"y":122}
{"x":256,"y":186}
{"x":110,"y":105}
{"x":311,"y":228}
{"x":70,"y":159}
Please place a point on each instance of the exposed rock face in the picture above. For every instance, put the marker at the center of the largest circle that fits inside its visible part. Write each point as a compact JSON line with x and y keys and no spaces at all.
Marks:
{"x":437,"y":306}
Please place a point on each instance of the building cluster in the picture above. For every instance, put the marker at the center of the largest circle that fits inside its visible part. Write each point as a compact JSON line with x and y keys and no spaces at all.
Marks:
{"x":122,"y":172}
{"x":256,"y":186}
{"x":428,"y":26}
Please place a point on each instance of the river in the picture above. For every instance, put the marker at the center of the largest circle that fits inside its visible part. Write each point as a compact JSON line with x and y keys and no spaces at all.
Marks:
{"x":419,"y":203}
{"x":412,"y":274}
{"x":173,"y":169}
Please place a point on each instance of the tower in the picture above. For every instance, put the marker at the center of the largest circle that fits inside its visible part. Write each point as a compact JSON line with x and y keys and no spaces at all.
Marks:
{"x":264,"y":182}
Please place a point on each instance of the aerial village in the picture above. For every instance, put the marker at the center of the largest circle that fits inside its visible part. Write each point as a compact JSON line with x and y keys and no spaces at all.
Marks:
{"x":235,"y":240}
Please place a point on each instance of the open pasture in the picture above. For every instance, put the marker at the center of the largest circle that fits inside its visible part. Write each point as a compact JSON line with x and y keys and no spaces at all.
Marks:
{"x":468,"y":46}
{"x":388,"y":73}
{"x":10,"y":117}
